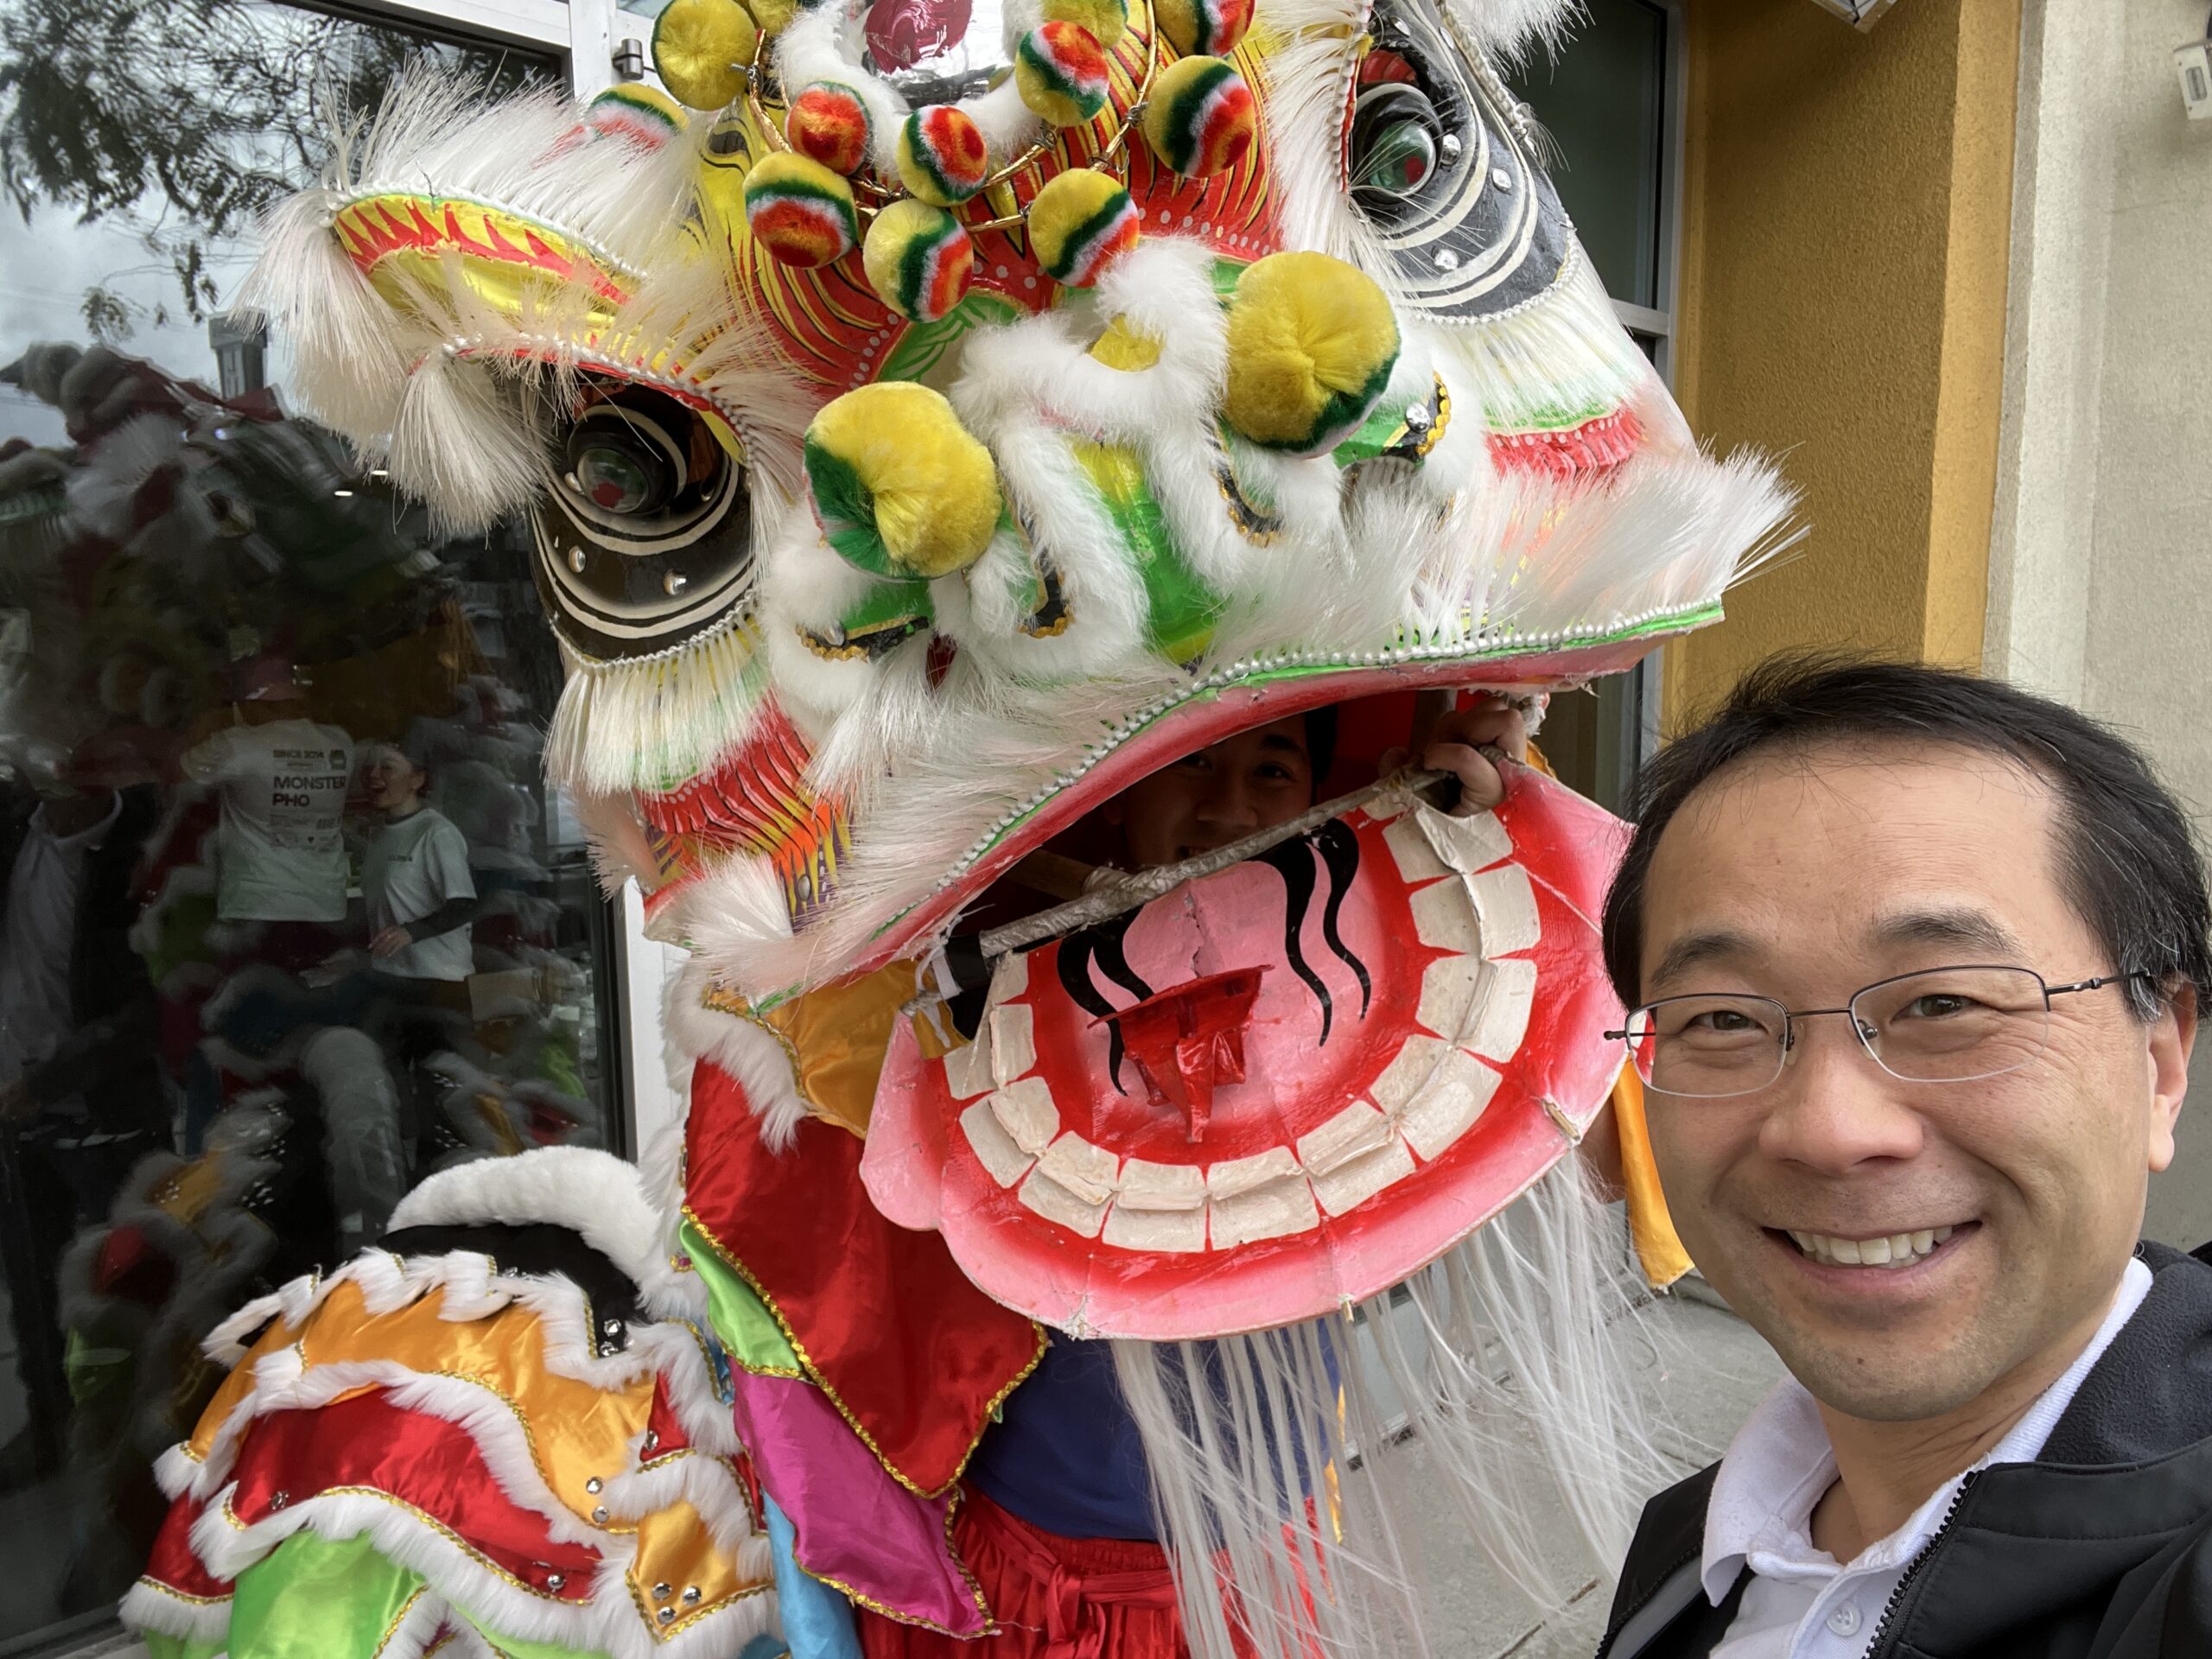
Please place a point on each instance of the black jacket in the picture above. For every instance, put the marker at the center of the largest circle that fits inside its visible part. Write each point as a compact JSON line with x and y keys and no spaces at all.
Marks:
{"x":2101,"y":1549}
{"x":109,"y":1059}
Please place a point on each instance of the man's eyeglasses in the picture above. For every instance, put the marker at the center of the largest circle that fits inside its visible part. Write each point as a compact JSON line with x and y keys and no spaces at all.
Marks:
{"x":1945,"y":1025}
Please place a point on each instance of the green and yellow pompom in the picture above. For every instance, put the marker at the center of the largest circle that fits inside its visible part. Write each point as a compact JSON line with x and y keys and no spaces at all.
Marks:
{"x":828,"y":123}
{"x":1202,"y":28}
{"x":772,"y":14}
{"x":1080,"y":223}
{"x":700,"y":48}
{"x":643,"y":117}
{"x":799,"y":211}
{"x":1312,"y":342}
{"x":1060,"y":71}
{"x":1105,"y":21}
{"x":919,"y":259}
{"x":1202,"y":117}
{"x":900,"y":487}
{"x":942,"y":156}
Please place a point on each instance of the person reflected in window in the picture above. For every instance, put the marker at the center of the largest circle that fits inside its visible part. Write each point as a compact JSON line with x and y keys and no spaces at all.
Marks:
{"x":81,"y":1098}
{"x":281,"y":777}
{"x":415,"y":876}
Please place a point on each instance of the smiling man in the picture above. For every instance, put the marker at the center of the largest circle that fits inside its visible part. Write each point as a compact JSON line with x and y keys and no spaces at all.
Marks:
{"x":1913,"y":962}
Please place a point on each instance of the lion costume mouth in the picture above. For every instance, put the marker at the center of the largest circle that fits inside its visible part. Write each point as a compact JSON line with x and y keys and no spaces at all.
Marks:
{"x":1290,"y":1082}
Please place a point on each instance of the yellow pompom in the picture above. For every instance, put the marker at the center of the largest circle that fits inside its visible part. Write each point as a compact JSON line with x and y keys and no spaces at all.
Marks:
{"x":1312,"y":342}
{"x":772,"y":14}
{"x":1125,"y":347}
{"x":701,"y":46}
{"x":901,"y":488}
{"x":1105,"y":21}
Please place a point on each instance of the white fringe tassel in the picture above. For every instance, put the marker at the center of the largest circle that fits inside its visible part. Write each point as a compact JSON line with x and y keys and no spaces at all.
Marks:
{"x":1504,"y":1369}
{"x":653,"y":723}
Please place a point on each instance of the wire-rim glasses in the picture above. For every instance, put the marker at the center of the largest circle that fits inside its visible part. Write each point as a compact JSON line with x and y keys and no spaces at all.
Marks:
{"x":1940,"y":1025}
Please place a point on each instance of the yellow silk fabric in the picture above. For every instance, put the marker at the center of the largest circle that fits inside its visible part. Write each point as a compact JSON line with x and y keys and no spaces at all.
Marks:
{"x":675,"y":1548}
{"x":836,"y":1037}
{"x":577,"y":1432}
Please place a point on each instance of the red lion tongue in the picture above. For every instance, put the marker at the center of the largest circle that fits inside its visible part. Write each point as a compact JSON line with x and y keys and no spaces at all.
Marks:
{"x":1189,"y":1037}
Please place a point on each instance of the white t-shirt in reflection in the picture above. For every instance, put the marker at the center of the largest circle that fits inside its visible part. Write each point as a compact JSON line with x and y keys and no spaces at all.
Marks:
{"x":280,"y":849}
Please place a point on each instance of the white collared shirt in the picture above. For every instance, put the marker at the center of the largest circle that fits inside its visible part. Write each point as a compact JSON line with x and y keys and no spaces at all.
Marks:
{"x":1800,"y":1603}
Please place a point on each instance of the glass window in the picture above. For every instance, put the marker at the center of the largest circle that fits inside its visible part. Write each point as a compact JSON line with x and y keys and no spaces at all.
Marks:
{"x":288,"y":918}
{"x":1603,"y":100}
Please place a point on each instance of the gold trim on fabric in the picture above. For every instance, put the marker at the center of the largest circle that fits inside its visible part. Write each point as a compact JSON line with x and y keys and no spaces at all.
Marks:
{"x":661,"y":1632}
{"x":814,"y":1372}
{"x":399,"y":1619}
{"x":185,"y":1597}
{"x":860,"y":1599}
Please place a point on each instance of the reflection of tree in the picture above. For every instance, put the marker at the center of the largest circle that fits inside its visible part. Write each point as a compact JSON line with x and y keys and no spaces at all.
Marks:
{"x":183,"y":120}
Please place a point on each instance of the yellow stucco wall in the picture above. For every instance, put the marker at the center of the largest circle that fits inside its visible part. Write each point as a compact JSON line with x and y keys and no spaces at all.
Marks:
{"x":1846,"y":203}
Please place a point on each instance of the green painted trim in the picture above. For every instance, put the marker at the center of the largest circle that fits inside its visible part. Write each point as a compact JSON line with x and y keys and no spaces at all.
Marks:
{"x":921,"y":346}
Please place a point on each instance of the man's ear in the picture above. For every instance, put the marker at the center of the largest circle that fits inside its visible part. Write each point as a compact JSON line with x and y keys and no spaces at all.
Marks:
{"x":2173,"y":1036}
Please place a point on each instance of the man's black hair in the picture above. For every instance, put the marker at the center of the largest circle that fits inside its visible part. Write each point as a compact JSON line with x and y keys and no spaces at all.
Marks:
{"x":2127,"y":858}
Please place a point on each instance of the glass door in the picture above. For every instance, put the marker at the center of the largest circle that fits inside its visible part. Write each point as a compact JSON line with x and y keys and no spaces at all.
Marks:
{"x":288,"y":918}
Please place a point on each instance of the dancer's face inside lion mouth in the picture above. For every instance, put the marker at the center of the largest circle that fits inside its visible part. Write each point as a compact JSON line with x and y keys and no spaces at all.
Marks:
{"x":1256,"y":780}
{"x":1267,"y":774}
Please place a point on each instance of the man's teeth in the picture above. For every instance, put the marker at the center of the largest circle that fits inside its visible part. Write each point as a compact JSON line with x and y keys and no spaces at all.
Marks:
{"x":1899,"y":1251}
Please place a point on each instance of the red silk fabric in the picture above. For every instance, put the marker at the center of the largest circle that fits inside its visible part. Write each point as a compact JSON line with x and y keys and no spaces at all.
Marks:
{"x":1052,"y":1597}
{"x":913,"y":1354}
{"x":368,"y":1446}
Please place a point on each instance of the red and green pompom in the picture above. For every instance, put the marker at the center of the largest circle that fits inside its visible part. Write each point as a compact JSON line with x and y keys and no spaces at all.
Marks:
{"x":1202,"y":28}
{"x":799,"y":211}
{"x":1201,"y":119}
{"x":1106,"y":21}
{"x":919,"y":259}
{"x":1060,"y":71}
{"x":1080,"y":223}
{"x":942,"y":156}
{"x":828,"y":123}
{"x":642,"y":117}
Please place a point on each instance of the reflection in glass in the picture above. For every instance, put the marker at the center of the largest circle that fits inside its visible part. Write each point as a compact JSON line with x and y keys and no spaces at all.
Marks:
{"x":1603,"y":100}
{"x":287,"y":920}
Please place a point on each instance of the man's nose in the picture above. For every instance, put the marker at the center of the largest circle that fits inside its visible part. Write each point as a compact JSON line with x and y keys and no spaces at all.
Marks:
{"x":1832,"y":1108}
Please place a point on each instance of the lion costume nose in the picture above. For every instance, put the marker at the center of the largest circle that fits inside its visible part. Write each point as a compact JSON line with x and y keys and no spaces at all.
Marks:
{"x":1189,"y":1037}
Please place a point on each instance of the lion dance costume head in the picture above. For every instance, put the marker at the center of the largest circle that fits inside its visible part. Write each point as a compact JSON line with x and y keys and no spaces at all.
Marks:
{"x":932,"y":424}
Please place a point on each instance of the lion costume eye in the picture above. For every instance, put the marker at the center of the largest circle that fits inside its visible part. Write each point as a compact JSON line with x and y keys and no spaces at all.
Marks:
{"x":1393,"y":146}
{"x":646,"y":536}
{"x":1436,"y":164}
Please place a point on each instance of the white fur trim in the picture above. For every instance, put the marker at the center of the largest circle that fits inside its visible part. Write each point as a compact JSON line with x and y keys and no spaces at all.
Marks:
{"x":608,"y":1622}
{"x":752,"y":1057}
{"x":595,"y":1193}
{"x":151,"y":1606}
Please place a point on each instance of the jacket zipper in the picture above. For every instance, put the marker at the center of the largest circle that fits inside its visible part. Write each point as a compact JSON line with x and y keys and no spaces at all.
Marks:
{"x":1919,"y":1562}
{"x":1627,"y":1614}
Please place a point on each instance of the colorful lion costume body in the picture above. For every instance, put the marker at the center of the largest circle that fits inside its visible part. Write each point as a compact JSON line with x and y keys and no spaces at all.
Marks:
{"x":948,"y":426}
